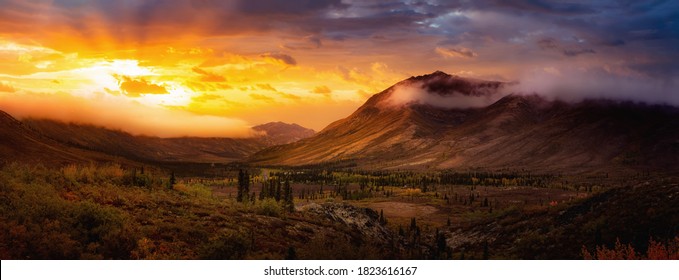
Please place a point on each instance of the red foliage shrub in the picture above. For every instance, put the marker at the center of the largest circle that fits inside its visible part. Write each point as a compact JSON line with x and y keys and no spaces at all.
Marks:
{"x":656,"y":251}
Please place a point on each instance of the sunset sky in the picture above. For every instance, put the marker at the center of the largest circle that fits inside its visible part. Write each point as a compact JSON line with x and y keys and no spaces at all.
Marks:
{"x":215,"y":68}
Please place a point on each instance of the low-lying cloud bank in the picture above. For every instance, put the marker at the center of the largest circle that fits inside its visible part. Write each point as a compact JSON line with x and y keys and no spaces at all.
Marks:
{"x":569,"y":85}
{"x":574,"y":85}
{"x":417,"y":93}
{"x":122,"y":115}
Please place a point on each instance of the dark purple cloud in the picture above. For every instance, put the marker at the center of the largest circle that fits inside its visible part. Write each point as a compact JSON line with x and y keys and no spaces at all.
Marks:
{"x":286,"y":7}
{"x":281,"y":58}
{"x":578,"y":52}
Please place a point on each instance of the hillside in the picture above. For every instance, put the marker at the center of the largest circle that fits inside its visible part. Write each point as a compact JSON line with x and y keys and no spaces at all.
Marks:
{"x":100,"y":213}
{"x":155,"y":149}
{"x":439,"y":127}
{"x":632,"y":214}
{"x":19,"y":143}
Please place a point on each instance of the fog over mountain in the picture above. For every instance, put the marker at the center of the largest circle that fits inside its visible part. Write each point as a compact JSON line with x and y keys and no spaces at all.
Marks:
{"x":439,"y":121}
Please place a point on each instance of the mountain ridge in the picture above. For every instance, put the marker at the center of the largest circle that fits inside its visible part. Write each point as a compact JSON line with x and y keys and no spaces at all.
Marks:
{"x":156,"y":149}
{"x":516,"y":131}
{"x":20,"y":143}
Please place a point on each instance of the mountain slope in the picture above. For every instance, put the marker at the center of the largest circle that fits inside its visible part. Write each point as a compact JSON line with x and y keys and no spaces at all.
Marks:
{"x":155,"y":149}
{"x":19,"y":143}
{"x":435,"y":121}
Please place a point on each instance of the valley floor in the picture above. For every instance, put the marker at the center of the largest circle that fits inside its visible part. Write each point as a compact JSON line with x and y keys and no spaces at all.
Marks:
{"x":109,"y":212}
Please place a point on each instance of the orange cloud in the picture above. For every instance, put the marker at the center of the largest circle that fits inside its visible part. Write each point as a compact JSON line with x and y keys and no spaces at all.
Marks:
{"x":206,"y":97}
{"x":261,"y":97}
{"x":226,"y":59}
{"x":324,"y":90}
{"x":267,"y":87}
{"x":289,"y":96}
{"x":7,"y":87}
{"x":122,"y":114}
{"x":135,"y":88}
{"x":364,"y":93}
{"x":111,"y":92}
{"x":199,"y":86}
{"x":455,"y":52}
{"x":208,"y":77}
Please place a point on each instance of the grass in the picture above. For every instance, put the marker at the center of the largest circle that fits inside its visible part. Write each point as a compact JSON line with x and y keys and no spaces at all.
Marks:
{"x":92,"y":212}
{"x":108,"y":212}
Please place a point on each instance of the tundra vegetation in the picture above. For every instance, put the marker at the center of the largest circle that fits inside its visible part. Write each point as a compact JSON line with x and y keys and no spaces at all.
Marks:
{"x":108,"y":211}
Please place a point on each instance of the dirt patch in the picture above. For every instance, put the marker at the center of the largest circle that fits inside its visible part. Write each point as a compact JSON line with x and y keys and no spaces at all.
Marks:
{"x":403,"y":209}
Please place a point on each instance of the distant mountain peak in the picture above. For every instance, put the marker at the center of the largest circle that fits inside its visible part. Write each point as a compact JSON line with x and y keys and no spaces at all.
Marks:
{"x":277,"y":133}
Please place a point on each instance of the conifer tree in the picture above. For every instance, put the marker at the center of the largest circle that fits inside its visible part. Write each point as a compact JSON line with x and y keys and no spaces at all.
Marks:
{"x":289,"y":202}
{"x":239,"y":196}
{"x":173,"y":181}
{"x":243,"y":186}
{"x":263,"y":191}
{"x":246,"y":186}
{"x":278,"y":191}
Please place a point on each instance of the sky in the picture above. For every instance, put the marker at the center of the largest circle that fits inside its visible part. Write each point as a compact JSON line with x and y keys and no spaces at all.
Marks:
{"x":215,"y":68}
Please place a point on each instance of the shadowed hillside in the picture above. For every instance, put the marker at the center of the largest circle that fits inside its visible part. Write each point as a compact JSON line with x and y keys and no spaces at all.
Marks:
{"x":421,"y":130}
{"x":20,"y":143}
{"x":155,"y":149}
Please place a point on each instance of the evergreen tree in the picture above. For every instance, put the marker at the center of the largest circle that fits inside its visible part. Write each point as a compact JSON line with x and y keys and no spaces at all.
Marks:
{"x":246,"y":186}
{"x":241,"y":176}
{"x":243,"y":186}
{"x":271,"y":192}
{"x":289,"y":202}
{"x":278,"y":191}
{"x":173,"y":181}
{"x":262,"y":193}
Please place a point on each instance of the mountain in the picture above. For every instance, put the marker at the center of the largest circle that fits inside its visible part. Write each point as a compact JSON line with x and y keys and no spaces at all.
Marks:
{"x":155,"y":149}
{"x":277,"y":133}
{"x":440,"y":121}
{"x":19,"y":143}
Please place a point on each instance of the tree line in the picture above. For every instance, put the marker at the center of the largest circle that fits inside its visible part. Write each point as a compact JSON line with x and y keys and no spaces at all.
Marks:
{"x":273,"y":188}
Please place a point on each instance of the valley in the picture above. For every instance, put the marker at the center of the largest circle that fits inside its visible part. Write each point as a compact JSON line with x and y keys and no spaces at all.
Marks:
{"x":522,"y":177}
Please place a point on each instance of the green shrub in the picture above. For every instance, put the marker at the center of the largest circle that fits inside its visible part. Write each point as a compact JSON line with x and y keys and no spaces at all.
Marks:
{"x":194,"y":190}
{"x":231,"y":245}
{"x":102,"y":229}
{"x":269,"y":207}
